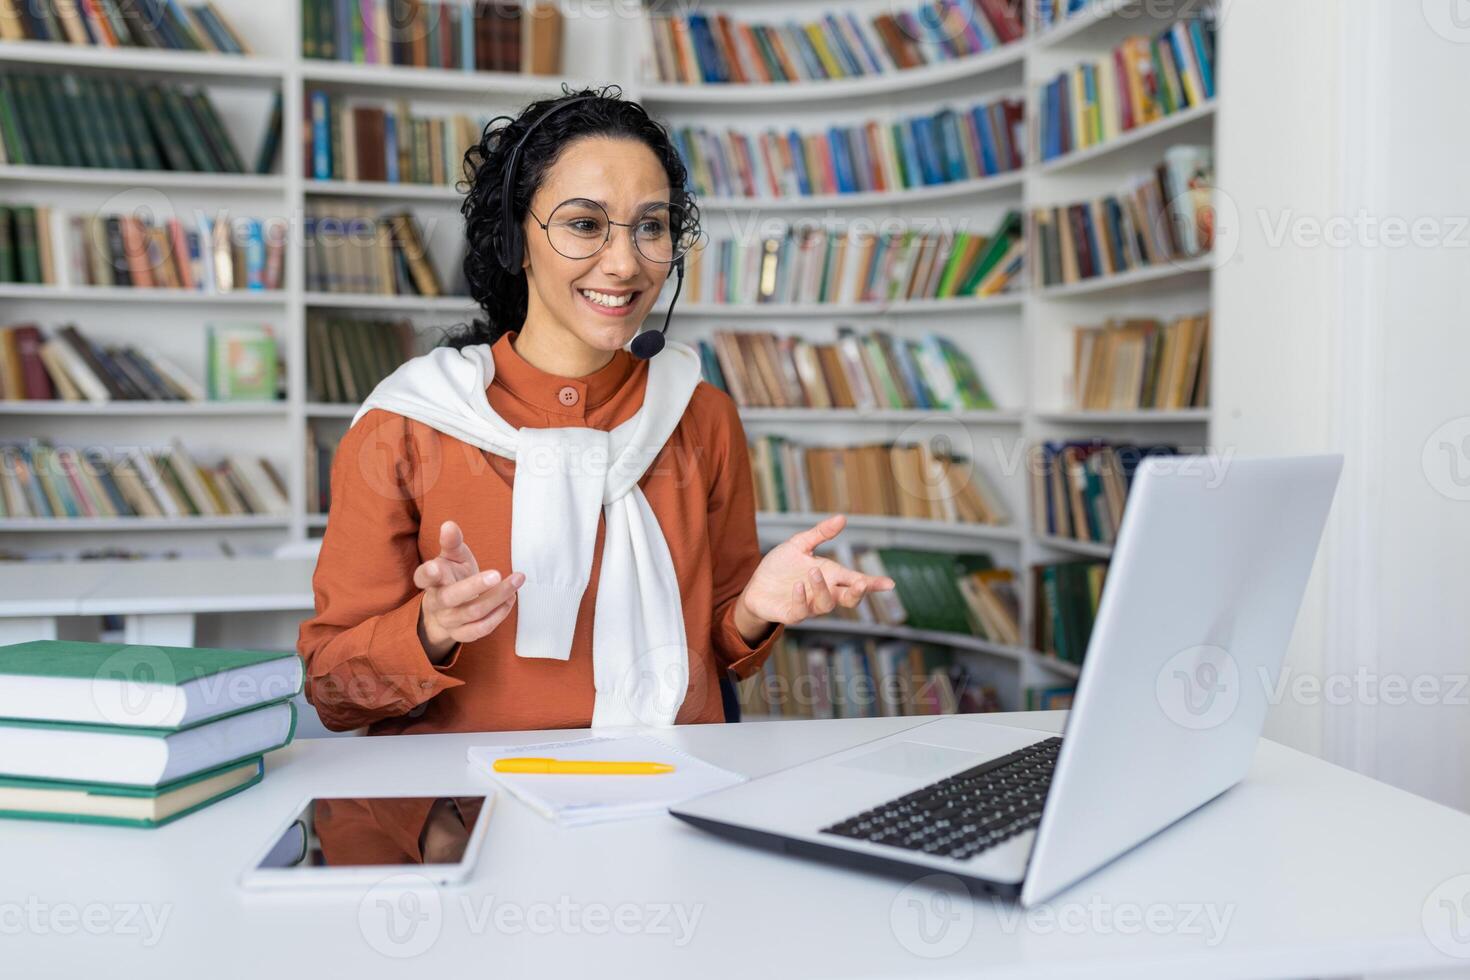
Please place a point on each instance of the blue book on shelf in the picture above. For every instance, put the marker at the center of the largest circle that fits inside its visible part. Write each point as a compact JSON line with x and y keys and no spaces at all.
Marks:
{"x":254,"y":255}
{"x":841,"y":162}
{"x":950,"y":140}
{"x":705,"y":52}
{"x":927,"y":141}
{"x":1202,"y":57}
{"x":838,"y":43}
{"x":1113,"y":215}
{"x":467,"y":35}
{"x":342,"y":28}
{"x":987,"y":139}
{"x":390,"y":145}
{"x":321,"y":137}
{"x":912,"y":377}
{"x":798,"y":157}
{"x":1089,"y":99}
{"x":1092,"y":240}
{"x":808,"y":55}
{"x":874,"y":63}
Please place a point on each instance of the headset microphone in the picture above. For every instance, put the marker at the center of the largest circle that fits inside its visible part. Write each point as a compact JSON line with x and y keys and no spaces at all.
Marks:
{"x":650,"y":342}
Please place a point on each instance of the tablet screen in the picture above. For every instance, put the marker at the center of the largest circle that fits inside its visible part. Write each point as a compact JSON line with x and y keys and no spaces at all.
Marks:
{"x":378,"y":831}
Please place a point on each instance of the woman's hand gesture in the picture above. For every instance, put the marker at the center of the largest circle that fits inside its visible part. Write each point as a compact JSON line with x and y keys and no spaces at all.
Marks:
{"x":461,"y":603}
{"x":791,"y":583}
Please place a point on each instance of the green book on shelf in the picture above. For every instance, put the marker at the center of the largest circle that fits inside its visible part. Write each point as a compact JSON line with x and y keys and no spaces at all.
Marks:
{"x":995,"y":250}
{"x":124,"y":806}
{"x":133,"y":684}
{"x":146,"y":757}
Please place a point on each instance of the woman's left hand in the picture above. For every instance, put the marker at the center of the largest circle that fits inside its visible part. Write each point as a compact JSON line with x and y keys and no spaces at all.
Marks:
{"x":791,"y":583}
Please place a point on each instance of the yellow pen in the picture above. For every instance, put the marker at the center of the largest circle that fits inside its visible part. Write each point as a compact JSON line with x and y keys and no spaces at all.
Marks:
{"x":583,"y":767}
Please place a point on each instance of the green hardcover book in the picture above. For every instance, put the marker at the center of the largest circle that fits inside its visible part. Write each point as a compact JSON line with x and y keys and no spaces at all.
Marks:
{"x":137,"y":134}
{"x":995,"y":250}
{"x":139,"y":684}
{"x":124,"y":806}
{"x":165,"y":130}
{"x":951,"y":263}
{"x":190,"y":132}
{"x":54,"y":100}
{"x":17,"y":145}
{"x":114,"y":104}
{"x":37,"y":120}
{"x":214,"y":132}
{"x":78,"y":110}
{"x":9,"y":261}
{"x":148,"y":757}
{"x":308,"y":29}
{"x":26,"y":248}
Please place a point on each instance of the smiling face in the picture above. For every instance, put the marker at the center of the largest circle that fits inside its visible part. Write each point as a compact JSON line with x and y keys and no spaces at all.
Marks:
{"x":600,"y":301}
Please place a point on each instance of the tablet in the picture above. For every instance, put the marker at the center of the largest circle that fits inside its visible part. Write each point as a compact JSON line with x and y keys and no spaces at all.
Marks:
{"x":361,"y":840}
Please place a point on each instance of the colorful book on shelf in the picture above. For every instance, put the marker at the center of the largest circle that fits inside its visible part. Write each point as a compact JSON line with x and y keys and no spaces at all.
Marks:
{"x":701,"y":48}
{"x":860,"y":371}
{"x":898,"y":480}
{"x":1159,"y":217}
{"x":1079,"y":489}
{"x":139,"y":684}
{"x":72,"y":367}
{"x":40,"y":480}
{"x":1054,"y":698}
{"x":1067,"y":597}
{"x":241,"y":362}
{"x":163,"y":24}
{"x":1144,"y":79}
{"x":361,"y":140}
{"x":874,"y":156}
{"x":353,"y":249}
{"x":455,"y":35}
{"x":864,"y":677}
{"x":806,"y":265}
{"x":67,"y":801}
{"x":1141,"y":364}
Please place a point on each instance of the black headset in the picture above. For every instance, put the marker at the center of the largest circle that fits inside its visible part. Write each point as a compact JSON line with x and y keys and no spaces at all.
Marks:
{"x":510,"y":247}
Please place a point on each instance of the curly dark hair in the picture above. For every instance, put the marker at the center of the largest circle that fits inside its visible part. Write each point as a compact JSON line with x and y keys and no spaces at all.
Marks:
{"x":502,"y":295}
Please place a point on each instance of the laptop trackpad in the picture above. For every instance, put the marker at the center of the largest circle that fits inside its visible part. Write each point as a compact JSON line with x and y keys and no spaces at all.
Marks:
{"x":914,"y":759}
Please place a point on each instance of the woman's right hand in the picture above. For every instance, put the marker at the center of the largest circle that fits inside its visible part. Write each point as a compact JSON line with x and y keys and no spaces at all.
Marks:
{"x":461,"y":603}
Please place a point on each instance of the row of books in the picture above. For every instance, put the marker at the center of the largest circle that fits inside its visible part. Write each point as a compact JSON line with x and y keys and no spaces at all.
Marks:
{"x":811,"y":263}
{"x":356,"y":250}
{"x":703,"y":48}
{"x":241,"y":363}
{"x":345,"y":141}
{"x":1142,"y":80}
{"x":965,"y":594}
{"x":942,"y":147}
{"x":875,"y":370}
{"x":1056,"y":697}
{"x":1067,"y":595}
{"x":1079,"y":488}
{"x":898,"y":480}
{"x":42,"y":480}
{"x":1142,"y":363}
{"x":346,"y":357}
{"x":164,"y":24}
{"x":460,"y":35}
{"x":83,"y":741}
{"x":1162,"y":216}
{"x":808,"y":677}
{"x":71,"y":120}
{"x":45,"y":245}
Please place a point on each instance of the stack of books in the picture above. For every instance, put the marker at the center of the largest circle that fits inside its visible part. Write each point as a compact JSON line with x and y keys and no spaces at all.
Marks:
{"x":806,"y":264}
{"x":898,"y":480}
{"x":446,"y":34}
{"x":352,"y":249}
{"x":58,"y":121}
{"x":136,"y":735}
{"x":1078,"y":489}
{"x":1142,"y":364}
{"x":44,"y":245}
{"x":935,"y":148}
{"x":364,"y":141}
{"x":700,"y":48}
{"x":39,"y":480}
{"x":1142,"y":80}
{"x":808,"y":677}
{"x":346,"y":357}
{"x":163,"y":24}
{"x":877,"y":371}
{"x":1162,"y":216}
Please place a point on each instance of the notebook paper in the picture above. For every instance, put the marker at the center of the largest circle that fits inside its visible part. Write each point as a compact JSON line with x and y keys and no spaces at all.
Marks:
{"x":573,"y":800}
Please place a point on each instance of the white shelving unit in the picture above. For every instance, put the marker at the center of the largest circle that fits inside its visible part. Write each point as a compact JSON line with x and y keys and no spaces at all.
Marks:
{"x":1017,"y":340}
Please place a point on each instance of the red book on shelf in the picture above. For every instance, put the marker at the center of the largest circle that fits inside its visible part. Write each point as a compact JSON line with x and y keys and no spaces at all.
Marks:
{"x":726,"y":41}
{"x":1004,"y":16}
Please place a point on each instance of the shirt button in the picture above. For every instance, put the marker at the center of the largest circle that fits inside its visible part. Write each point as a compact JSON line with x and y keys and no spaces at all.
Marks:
{"x":568,"y":396}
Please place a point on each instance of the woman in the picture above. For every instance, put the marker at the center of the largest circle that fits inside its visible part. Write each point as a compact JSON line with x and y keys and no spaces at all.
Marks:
{"x":453,"y":595}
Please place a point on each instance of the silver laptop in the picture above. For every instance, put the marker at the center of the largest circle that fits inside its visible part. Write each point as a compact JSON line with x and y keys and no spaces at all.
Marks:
{"x":1206,"y":578}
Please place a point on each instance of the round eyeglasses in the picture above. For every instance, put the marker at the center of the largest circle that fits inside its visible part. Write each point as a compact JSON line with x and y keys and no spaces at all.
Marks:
{"x":579,"y":228}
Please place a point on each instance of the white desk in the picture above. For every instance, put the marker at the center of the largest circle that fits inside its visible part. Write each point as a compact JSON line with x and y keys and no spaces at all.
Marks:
{"x":1316,"y":871}
{"x":158,"y":600}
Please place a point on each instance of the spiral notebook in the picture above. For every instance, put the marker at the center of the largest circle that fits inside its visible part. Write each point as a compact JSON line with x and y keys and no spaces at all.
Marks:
{"x":576,"y":800}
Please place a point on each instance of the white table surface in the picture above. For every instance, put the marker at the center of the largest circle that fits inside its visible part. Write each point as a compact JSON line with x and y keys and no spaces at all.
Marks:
{"x":1312,"y":870}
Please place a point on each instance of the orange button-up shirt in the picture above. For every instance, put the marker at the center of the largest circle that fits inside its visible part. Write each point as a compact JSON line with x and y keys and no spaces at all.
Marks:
{"x":395,"y":481}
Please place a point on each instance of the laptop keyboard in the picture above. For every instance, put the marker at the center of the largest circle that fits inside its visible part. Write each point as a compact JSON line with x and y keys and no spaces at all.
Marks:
{"x":966,"y":813}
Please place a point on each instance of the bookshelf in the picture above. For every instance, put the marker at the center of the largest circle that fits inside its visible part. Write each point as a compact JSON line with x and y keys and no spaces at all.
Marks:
{"x":1020,"y":340}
